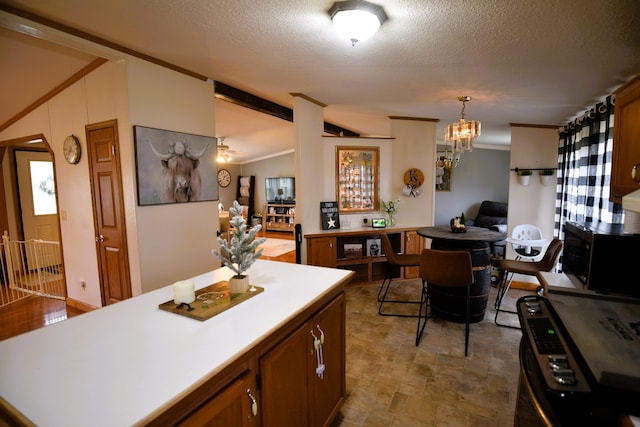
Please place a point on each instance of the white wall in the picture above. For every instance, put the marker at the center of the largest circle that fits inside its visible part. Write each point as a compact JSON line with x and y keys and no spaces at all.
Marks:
{"x":533,"y":204}
{"x":273,"y":167}
{"x":482,"y":174}
{"x":175,"y":240}
{"x":98,"y":97}
{"x":167,"y":242}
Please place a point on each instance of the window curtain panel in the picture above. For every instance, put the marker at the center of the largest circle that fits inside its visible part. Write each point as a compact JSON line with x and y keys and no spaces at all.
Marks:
{"x":585,"y":150}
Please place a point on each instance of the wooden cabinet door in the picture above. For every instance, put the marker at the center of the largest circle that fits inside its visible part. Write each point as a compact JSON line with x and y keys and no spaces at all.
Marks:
{"x":230,"y":407}
{"x":413,"y":244}
{"x":626,"y":141}
{"x":328,"y":392}
{"x":293,"y":394}
{"x":321,"y":251}
{"x":284,"y":373}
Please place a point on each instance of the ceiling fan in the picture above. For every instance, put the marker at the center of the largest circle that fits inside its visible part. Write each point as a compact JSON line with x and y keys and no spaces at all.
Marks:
{"x":224,"y":154}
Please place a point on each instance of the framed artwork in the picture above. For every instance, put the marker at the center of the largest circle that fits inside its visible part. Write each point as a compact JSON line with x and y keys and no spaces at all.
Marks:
{"x":352,"y":250}
{"x":374,"y":247}
{"x":357,"y":178}
{"x":443,"y":174}
{"x":174,"y":167}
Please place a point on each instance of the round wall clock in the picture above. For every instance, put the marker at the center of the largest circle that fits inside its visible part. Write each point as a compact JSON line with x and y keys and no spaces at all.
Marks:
{"x":71,"y":149}
{"x":224,"y":178}
{"x":413,"y":178}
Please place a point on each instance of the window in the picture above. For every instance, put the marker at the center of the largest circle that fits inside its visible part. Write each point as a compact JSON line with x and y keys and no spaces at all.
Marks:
{"x":43,"y":188}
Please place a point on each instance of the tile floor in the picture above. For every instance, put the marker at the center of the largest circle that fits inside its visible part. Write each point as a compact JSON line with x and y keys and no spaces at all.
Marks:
{"x":391,"y":382}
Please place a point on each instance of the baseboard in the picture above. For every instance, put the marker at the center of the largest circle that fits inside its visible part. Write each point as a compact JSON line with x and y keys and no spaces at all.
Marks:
{"x":79,"y":305}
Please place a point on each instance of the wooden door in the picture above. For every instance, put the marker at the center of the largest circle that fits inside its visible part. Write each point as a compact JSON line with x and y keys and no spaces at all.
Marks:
{"x":328,"y":391}
{"x":285,"y":376}
{"x":321,"y":251}
{"x":108,"y":208}
{"x":38,"y":204}
{"x":230,"y":407}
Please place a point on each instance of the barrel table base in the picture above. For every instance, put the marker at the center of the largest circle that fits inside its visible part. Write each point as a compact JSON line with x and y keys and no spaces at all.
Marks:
{"x":450,"y":303}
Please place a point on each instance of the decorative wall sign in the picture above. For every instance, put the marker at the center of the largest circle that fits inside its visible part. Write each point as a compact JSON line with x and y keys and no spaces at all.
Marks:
{"x":173,"y":167}
{"x":329,"y":215}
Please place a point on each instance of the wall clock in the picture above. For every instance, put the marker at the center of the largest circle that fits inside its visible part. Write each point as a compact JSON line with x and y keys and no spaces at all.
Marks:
{"x":413,"y":178}
{"x":71,"y":149}
{"x":224,"y":178}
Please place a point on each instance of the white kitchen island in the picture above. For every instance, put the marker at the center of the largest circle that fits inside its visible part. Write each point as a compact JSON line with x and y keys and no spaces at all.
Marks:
{"x":131,"y":363}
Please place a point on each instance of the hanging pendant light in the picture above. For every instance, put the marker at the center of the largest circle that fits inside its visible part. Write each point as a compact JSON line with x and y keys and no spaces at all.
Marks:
{"x":356,"y":20}
{"x":462,"y":133}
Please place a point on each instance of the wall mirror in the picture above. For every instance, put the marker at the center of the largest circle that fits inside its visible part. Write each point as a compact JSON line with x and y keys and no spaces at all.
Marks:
{"x":357,"y":178}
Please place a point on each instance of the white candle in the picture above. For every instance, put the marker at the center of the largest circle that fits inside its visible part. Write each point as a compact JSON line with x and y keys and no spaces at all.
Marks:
{"x":184,"y":292}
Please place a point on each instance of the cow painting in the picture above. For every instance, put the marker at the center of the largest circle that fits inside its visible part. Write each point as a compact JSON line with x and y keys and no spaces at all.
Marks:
{"x":181,"y":181}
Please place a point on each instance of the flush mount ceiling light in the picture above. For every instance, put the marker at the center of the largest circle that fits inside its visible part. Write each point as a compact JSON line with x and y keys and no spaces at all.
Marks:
{"x":356,"y":20}
{"x":462,"y":133}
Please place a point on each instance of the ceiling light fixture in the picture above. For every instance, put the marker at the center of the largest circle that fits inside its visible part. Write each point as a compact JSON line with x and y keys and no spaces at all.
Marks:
{"x":462,"y":133}
{"x":222,"y":154}
{"x":357,"y":20}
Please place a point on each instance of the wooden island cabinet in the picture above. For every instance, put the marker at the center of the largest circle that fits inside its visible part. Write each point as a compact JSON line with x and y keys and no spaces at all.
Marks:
{"x":351,"y":250}
{"x":626,"y":142}
{"x":255,"y":364}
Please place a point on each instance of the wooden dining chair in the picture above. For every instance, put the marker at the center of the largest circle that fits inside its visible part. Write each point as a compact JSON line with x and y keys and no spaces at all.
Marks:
{"x":395,"y":260}
{"x":530,"y":268}
{"x":446,"y":269}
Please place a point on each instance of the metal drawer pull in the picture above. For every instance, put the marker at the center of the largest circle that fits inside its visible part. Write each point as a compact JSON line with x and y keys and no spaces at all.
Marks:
{"x":634,"y":174}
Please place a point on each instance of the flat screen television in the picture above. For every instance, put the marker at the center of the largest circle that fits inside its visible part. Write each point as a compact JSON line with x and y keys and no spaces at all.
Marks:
{"x":280,"y":190}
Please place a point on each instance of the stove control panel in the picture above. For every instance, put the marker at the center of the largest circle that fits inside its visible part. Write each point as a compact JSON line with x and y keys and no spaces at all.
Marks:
{"x":558,"y":365}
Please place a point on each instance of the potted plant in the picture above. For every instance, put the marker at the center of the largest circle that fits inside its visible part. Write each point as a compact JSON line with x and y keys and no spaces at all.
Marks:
{"x":546,"y":176}
{"x":524,"y":176}
{"x":240,"y":252}
{"x":390,"y":208}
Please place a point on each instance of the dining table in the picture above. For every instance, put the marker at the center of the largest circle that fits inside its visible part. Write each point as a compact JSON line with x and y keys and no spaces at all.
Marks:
{"x":450,"y":303}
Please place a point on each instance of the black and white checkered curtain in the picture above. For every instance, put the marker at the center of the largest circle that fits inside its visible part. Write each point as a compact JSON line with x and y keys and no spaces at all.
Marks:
{"x":585,"y":150}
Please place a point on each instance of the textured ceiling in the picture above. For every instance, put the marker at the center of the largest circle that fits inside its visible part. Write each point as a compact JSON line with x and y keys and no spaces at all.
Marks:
{"x":536,"y":62}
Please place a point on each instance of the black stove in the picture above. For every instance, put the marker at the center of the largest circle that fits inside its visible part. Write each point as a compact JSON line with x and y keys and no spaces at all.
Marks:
{"x":580,"y":359}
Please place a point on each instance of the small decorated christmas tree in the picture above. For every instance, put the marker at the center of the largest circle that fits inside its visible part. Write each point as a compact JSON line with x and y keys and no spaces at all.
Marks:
{"x":240,"y":253}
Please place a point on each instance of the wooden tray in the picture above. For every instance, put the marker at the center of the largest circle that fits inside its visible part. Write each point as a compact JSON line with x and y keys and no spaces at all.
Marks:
{"x":207,"y":306}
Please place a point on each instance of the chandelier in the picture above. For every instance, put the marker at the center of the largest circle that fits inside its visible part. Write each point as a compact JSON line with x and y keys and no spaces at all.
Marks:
{"x":462,"y":133}
{"x":356,"y":20}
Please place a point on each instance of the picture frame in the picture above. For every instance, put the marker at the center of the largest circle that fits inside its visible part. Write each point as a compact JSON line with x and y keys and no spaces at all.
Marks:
{"x":374,"y":247}
{"x":162,"y":156}
{"x":444,"y":167}
{"x":352,"y":250}
{"x":357,"y":178}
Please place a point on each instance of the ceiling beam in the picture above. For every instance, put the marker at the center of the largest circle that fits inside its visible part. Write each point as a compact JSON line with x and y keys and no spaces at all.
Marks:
{"x":245,"y":99}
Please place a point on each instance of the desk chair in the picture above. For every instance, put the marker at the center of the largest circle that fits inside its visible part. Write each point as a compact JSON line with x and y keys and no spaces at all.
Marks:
{"x":529,"y":268}
{"x":445,"y":268}
{"x":399,"y":260}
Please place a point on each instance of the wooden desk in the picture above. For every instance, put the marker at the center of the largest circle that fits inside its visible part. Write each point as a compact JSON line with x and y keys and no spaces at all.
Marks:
{"x":450,"y":303}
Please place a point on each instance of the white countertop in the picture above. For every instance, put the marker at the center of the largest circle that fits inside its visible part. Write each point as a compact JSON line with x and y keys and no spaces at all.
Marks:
{"x":116,"y":365}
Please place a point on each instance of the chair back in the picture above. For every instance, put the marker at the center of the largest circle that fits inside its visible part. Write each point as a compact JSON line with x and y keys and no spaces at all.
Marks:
{"x":526,"y":232}
{"x":550,"y":258}
{"x":446,"y":268}
{"x":387,"y":250}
